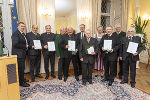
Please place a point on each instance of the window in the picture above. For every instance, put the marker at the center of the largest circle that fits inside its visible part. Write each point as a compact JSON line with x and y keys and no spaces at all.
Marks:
{"x":1,"y":27}
{"x":105,"y":13}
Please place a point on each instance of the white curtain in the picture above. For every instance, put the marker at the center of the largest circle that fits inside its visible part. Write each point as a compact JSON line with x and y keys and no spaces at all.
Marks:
{"x":125,"y":13}
{"x":84,"y":13}
{"x":96,"y":14}
{"x":27,"y":12}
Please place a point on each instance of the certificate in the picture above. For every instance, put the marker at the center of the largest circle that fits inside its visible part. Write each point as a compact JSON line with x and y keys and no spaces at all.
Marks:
{"x":107,"y":45}
{"x":37,"y":44}
{"x":90,"y":50}
{"x":71,"y":45}
{"x":51,"y":46}
{"x":132,"y":47}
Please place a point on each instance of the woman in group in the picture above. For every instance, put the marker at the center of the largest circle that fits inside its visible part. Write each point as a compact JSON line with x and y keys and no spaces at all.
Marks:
{"x":99,"y":61}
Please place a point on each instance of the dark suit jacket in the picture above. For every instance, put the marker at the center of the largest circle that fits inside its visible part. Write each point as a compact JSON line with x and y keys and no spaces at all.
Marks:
{"x":78,"y":36}
{"x":47,"y":38}
{"x":120,"y":35}
{"x":64,"y":42}
{"x":30,"y":37}
{"x":87,"y":58}
{"x":115,"y":46}
{"x":125,"y":43}
{"x":18,"y":45}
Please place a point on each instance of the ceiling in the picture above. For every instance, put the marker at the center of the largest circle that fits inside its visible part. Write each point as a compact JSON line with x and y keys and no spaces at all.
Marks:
{"x":64,"y":7}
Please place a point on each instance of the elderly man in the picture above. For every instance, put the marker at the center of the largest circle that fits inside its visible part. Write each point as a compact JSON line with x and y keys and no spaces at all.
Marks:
{"x":59,"y":53}
{"x":130,"y":58}
{"x":46,"y":37}
{"x":19,"y":47}
{"x":34,"y":53}
{"x":121,"y":34}
{"x":87,"y":56}
{"x":69,"y":54}
{"x":110,"y":55}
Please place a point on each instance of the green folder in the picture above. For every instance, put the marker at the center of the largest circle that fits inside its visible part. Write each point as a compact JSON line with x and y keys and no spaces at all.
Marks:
{"x":1,"y":48}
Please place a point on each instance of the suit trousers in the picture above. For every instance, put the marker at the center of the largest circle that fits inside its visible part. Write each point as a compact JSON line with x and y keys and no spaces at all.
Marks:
{"x":109,"y":67}
{"x":35,"y":63}
{"x":79,"y":64}
{"x":61,"y":65}
{"x":21,"y":68}
{"x":120,"y":68}
{"x":67,"y":63}
{"x":87,"y":72}
{"x":126,"y":63}
{"x":50,"y":57}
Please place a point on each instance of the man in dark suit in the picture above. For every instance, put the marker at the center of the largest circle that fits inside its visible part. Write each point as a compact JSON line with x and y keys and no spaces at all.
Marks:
{"x":34,"y":54}
{"x":109,"y":56}
{"x":87,"y":58}
{"x":69,"y":55}
{"x":59,"y":53}
{"x":121,"y":34}
{"x":46,"y":37}
{"x":79,"y":37}
{"x":19,"y":47}
{"x":130,"y":59}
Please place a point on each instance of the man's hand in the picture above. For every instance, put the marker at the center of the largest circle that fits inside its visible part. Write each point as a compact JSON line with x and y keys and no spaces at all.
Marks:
{"x":120,"y":58}
{"x":58,"y":57}
{"x":103,"y":49}
{"x":111,"y":51}
{"x":93,"y":53}
{"x":67,"y":46}
{"x":33,"y":47}
{"x":27,"y":46}
{"x":81,"y":59}
{"x":135,"y":54}
{"x":45,"y":47}
{"x":76,"y":50}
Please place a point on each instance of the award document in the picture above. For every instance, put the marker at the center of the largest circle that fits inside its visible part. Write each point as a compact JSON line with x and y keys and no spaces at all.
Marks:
{"x":108,"y":45}
{"x":132,"y":47}
{"x":37,"y":44}
{"x":51,"y":46}
{"x":71,"y":45}
{"x":90,"y":50}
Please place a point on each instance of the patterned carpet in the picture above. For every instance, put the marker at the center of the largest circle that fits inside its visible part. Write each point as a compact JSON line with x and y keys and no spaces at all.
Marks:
{"x":73,"y":90}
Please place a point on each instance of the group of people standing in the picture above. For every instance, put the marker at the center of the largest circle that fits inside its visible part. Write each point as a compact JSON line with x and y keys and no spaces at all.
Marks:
{"x":89,"y":53}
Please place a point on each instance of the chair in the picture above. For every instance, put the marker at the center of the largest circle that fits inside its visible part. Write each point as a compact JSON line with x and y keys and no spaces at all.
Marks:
{"x":148,"y":57}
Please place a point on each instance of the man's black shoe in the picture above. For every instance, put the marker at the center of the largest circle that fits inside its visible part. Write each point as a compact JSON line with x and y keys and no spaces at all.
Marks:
{"x":25,"y":80}
{"x":103,"y":80}
{"x":39,"y":76}
{"x":65,"y":79}
{"x":77,"y":78}
{"x":84,"y":83}
{"x":46,"y":77}
{"x":60,"y":78}
{"x":25,"y":84}
{"x":132,"y":85}
{"x":122,"y":82}
{"x":110,"y":83}
{"x":53,"y":76}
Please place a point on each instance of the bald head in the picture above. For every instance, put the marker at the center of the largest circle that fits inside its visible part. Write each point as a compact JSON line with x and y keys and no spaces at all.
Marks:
{"x":70,"y":30}
{"x":88,"y":33}
{"x":118,"y":28}
{"x":35,"y":28}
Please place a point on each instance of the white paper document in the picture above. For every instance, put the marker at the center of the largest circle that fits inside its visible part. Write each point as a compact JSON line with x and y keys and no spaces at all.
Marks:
{"x":132,"y":47}
{"x":108,"y":45}
{"x":51,"y":46}
{"x":71,"y":45}
{"x":90,"y":50}
{"x":37,"y":44}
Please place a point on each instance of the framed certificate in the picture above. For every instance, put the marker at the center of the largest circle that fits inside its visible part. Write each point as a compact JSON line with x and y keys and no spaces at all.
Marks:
{"x":108,"y":45}
{"x":51,"y":46}
{"x":71,"y":45}
{"x":132,"y":47}
{"x":37,"y":44}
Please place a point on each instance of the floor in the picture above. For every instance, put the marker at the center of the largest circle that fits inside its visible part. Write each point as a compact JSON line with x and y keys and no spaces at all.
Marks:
{"x":142,"y":77}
